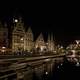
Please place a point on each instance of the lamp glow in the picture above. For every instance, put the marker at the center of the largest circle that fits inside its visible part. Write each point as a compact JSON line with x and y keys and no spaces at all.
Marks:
{"x":16,"y":20}
{"x":21,"y":39}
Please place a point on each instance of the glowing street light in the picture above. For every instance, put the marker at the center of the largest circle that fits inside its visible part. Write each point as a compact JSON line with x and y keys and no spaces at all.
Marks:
{"x":16,"y":20}
{"x":46,"y":73}
{"x":21,"y":39}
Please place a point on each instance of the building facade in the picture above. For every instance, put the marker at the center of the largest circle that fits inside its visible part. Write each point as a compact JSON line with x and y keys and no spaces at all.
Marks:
{"x":29,"y":44}
{"x":3,"y":35}
{"x":22,"y":40}
{"x":18,"y":36}
{"x":40,"y":43}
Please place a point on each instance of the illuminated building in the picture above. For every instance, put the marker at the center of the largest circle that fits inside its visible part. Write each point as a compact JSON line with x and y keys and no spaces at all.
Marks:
{"x":39,"y":43}
{"x":29,"y":40}
{"x":3,"y":35}
{"x":21,"y":40}
{"x":18,"y":35}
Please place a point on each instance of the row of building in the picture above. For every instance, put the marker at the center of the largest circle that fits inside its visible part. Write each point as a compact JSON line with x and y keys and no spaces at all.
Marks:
{"x":22,"y":40}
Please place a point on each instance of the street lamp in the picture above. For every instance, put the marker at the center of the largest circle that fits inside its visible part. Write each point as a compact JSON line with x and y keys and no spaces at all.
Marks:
{"x":46,"y":73}
{"x":16,"y":20}
{"x":21,"y":39}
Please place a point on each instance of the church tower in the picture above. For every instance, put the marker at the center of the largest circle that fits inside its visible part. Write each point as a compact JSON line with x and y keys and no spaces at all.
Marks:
{"x":50,"y":42}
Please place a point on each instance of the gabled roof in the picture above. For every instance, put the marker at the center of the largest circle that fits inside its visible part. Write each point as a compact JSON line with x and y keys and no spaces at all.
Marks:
{"x":40,"y":37}
{"x":19,"y":26}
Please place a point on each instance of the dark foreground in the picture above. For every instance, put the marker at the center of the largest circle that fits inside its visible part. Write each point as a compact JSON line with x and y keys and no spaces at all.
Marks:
{"x":63,"y":71}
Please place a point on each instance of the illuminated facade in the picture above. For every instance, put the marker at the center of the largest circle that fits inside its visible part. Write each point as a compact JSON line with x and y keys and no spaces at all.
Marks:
{"x":39,"y":43}
{"x":29,"y":40}
{"x":49,"y":45}
{"x":21,"y":40}
{"x":18,"y":36}
{"x":3,"y":35}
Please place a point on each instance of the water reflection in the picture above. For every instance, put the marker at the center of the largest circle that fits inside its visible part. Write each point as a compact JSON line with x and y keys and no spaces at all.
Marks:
{"x":61,"y":71}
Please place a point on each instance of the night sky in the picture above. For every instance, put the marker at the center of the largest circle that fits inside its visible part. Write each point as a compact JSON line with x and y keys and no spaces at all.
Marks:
{"x":46,"y":18}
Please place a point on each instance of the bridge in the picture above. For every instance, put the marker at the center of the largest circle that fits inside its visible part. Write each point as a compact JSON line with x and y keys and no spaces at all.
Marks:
{"x":28,"y":68}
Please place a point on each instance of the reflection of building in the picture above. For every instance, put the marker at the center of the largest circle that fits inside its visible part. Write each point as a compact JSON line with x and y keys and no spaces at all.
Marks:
{"x":18,"y":36}
{"x":3,"y":35}
{"x":29,"y":40}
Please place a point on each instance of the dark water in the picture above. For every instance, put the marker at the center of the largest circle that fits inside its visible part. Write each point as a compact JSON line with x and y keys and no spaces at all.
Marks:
{"x":63,"y":71}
